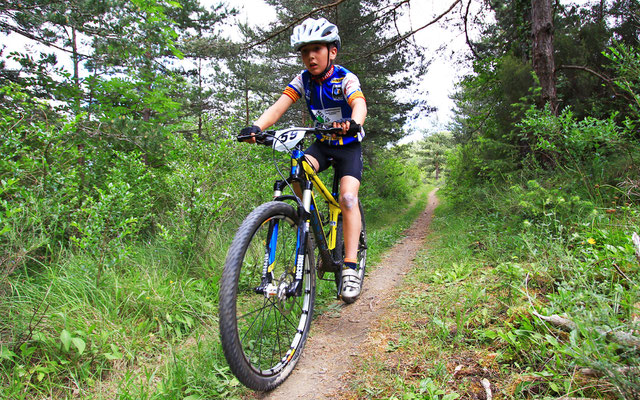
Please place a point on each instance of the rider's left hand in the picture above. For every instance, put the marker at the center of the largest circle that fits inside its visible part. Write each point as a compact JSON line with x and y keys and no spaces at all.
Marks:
{"x":344,"y":123}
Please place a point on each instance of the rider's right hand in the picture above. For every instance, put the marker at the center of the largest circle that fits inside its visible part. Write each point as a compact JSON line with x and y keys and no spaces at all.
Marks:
{"x":250,"y":130}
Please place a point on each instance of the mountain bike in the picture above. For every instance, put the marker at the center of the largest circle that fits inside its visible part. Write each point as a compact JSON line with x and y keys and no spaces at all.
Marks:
{"x":268,"y":286}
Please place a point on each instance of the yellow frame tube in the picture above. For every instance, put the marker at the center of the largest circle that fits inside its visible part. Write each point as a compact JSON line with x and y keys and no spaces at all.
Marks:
{"x":334,"y":207}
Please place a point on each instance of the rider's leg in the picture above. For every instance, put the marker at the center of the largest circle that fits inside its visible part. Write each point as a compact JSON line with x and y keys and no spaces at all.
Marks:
{"x":349,"y":187}
{"x":312,"y":160}
{"x":351,"y":279}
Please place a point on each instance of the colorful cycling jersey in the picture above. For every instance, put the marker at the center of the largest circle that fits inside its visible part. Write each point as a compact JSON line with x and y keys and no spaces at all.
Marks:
{"x":328,"y":98}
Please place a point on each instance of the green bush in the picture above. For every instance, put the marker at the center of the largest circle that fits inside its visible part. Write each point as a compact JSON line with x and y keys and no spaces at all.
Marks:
{"x":388,"y":180}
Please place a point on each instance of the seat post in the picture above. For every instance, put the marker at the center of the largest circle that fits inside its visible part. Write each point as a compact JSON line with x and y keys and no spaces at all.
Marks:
{"x":336,"y":181}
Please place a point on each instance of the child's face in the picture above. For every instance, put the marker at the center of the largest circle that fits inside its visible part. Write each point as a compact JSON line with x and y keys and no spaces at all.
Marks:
{"x":316,"y":56}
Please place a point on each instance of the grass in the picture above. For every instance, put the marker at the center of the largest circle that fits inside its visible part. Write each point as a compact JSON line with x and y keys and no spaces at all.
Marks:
{"x":146,"y":330}
{"x":469,"y":312}
{"x":386,"y":227}
{"x":72,"y":334}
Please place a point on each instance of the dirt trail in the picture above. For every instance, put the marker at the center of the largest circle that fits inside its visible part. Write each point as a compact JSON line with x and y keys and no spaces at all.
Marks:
{"x":335,"y":341}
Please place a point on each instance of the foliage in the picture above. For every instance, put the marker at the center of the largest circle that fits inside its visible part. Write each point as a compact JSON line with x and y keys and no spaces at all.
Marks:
{"x":472,"y":308}
{"x":493,"y":100}
{"x":365,"y":27}
{"x":120,"y":186}
{"x":626,"y":60}
{"x":556,"y":245}
{"x":114,"y":253}
{"x":388,"y":177}
{"x":433,"y":152}
{"x":544,"y":207}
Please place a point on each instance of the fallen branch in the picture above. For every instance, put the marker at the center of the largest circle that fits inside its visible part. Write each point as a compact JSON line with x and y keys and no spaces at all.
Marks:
{"x":557,"y":321}
{"x":636,"y":243}
{"x":621,"y":272}
{"x":597,"y":373}
{"x":624,"y":338}
{"x":487,"y":388}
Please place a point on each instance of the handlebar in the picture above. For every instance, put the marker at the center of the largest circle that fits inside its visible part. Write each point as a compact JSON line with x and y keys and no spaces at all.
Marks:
{"x":266,"y":137}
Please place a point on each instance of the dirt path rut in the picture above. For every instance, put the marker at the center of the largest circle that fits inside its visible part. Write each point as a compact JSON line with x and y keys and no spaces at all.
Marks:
{"x":335,"y":340}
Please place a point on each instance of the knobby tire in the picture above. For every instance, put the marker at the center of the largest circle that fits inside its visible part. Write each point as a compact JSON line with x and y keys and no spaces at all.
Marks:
{"x":263,"y":337}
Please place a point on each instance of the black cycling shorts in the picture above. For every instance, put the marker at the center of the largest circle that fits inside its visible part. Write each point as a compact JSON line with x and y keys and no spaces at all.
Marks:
{"x":348,"y":158}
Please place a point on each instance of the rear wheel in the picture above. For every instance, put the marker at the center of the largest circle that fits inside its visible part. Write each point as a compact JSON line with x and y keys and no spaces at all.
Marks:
{"x":263,"y":329}
{"x":338,"y":252}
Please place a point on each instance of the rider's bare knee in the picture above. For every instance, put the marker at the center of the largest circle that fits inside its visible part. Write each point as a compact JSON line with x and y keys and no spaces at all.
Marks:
{"x":348,"y":201}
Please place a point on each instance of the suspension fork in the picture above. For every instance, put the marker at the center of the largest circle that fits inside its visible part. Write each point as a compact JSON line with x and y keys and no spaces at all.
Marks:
{"x":266,"y":283}
{"x":295,"y":289}
{"x":303,"y":239}
{"x":266,"y":287}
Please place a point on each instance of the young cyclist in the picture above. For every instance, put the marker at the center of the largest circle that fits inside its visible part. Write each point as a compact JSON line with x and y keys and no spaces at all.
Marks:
{"x":333,"y":95}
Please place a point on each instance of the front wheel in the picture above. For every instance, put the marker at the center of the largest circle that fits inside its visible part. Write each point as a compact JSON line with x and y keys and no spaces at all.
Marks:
{"x":264,"y":331}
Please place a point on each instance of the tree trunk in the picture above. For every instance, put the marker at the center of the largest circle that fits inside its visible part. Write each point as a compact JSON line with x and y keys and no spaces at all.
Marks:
{"x":76,"y":111}
{"x":543,"y":61}
{"x":200,"y":99}
{"x":76,"y":70}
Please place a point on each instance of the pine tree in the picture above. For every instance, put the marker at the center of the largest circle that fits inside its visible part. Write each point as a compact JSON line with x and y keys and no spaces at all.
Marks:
{"x":366,"y":31}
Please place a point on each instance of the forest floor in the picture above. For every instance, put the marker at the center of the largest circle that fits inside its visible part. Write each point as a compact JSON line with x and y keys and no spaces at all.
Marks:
{"x":339,"y":338}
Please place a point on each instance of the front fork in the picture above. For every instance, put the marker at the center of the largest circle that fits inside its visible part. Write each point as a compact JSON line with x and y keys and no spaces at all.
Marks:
{"x":267,"y":287}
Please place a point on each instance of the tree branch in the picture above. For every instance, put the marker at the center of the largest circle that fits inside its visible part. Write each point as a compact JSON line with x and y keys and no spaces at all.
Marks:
{"x":587,"y":69}
{"x":33,"y":37}
{"x":466,"y":32}
{"x":409,"y":34}
{"x":283,"y":29}
{"x":605,"y":78}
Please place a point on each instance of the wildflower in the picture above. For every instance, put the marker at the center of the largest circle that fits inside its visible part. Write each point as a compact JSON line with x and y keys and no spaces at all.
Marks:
{"x":591,"y":241}
{"x":148,"y":297}
{"x":171,"y":282}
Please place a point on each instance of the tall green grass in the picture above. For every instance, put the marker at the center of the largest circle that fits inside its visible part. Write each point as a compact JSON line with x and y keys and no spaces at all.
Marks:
{"x":493,"y":272}
{"x":147,"y":328}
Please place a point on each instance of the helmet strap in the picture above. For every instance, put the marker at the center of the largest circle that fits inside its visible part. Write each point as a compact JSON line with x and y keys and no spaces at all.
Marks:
{"x":329,"y":64}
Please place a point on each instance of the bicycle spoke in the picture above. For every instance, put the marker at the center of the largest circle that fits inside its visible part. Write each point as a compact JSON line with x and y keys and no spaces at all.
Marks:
{"x":253,"y":323}
{"x":251,"y":312}
{"x":292,"y":324}
{"x":266,"y":333}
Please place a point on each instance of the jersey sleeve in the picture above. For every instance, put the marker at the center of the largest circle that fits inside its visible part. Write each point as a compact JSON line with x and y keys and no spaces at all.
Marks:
{"x":294,"y":89}
{"x":351,"y":88}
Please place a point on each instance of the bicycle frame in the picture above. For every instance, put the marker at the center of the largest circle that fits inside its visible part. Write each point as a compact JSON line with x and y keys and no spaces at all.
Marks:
{"x":303,"y":175}
{"x":268,"y":285}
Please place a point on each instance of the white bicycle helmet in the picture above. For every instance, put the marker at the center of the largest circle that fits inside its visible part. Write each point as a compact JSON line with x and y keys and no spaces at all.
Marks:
{"x":315,"y":31}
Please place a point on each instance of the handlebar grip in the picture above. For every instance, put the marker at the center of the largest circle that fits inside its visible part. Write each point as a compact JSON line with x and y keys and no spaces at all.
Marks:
{"x":260,"y":138}
{"x":354,"y":128}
